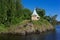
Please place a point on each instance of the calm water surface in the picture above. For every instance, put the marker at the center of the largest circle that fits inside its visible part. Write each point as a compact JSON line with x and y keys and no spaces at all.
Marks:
{"x":44,"y":36}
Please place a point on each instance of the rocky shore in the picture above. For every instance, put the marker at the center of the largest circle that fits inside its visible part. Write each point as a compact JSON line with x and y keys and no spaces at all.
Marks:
{"x":28,"y":28}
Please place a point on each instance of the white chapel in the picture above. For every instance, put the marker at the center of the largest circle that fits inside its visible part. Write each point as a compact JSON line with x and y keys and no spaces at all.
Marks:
{"x":35,"y":16}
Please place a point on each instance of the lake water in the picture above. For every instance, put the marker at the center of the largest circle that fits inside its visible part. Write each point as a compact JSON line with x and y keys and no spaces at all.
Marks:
{"x":55,"y":35}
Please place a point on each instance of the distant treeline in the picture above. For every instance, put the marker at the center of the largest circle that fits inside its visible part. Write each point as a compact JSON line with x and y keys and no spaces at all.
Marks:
{"x":58,"y":22}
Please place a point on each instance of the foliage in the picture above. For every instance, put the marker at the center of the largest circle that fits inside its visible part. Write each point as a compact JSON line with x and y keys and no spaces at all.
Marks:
{"x":53,"y":20}
{"x":41,"y":12}
{"x":26,"y":13}
{"x":42,"y":23}
{"x":48,"y":18}
{"x":10,"y":11}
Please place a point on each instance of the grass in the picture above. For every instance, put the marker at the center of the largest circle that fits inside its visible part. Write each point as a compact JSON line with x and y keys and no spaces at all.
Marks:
{"x":40,"y":23}
{"x":3,"y":28}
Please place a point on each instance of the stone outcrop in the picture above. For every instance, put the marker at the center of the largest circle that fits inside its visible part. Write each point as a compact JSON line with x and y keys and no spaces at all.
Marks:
{"x":28,"y":27}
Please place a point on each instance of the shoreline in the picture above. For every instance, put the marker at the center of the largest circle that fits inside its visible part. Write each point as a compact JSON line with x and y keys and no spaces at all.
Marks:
{"x":22,"y":34}
{"x":27,"y":27}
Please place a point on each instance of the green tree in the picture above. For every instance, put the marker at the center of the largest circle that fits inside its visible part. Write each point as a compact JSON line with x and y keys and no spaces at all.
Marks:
{"x":27,"y":13}
{"x":48,"y":18}
{"x":3,"y":10}
{"x":53,"y":20}
{"x":10,"y":11}
{"x":19,"y":8}
{"x":41,"y":12}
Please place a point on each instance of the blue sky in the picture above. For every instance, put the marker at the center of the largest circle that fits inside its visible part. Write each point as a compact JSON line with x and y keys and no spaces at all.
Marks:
{"x":51,"y":7}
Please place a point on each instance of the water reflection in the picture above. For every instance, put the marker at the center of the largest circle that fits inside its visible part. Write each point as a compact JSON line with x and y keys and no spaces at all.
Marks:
{"x":44,"y":36}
